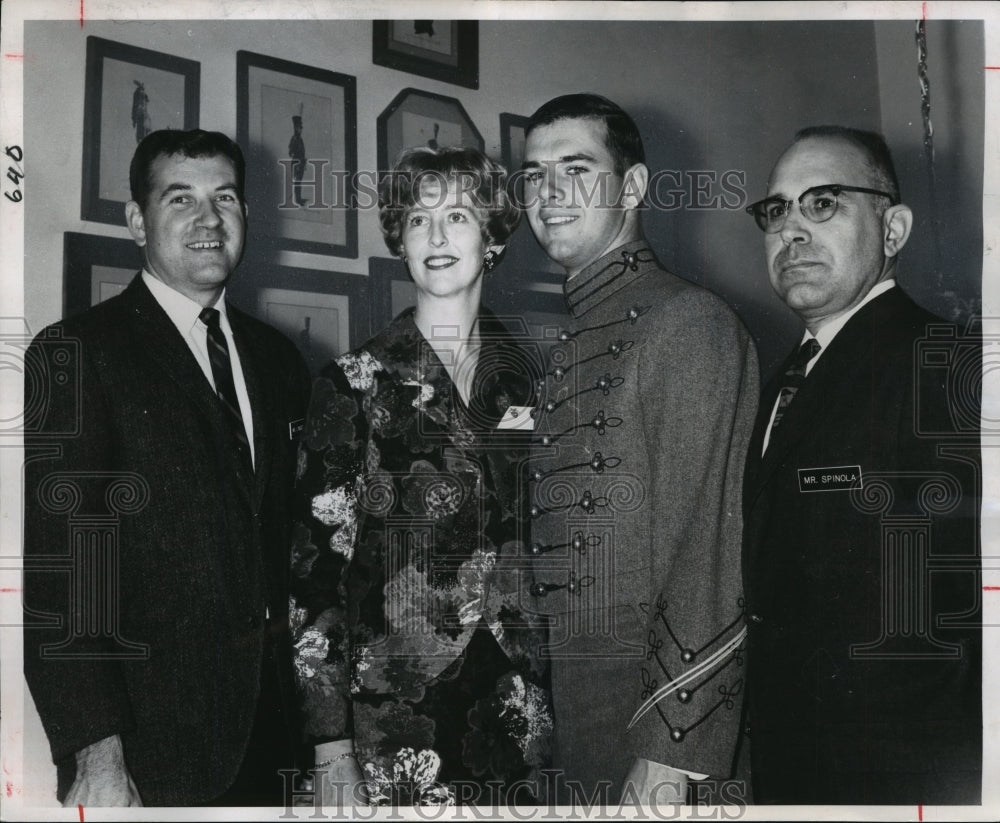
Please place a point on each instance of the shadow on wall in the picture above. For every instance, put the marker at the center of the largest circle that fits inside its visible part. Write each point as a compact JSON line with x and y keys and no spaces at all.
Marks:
{"x":941,"y":265}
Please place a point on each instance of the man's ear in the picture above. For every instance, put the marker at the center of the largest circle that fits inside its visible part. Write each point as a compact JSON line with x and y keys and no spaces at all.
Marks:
{"x":634,"y":186}
{"x":896,"y":224}
{"x":135,"y":222}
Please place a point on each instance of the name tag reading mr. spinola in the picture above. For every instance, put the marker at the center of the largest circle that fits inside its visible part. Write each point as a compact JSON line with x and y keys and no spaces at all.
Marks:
{"x":831,"y":479}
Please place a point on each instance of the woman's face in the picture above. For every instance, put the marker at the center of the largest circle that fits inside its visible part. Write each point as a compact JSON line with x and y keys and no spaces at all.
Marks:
{"x":442,"y":241}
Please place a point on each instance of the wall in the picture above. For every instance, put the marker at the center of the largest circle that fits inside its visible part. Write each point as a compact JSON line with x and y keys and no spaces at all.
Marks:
{"x":942,"y":264}
{"x":707,"y":96}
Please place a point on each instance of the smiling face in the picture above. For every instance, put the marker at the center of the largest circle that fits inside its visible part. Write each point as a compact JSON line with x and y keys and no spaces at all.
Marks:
{"x":193,"y":226}
{"x":573,"y":194}
{"x":443,"y":242}
{"x":822,"y":270}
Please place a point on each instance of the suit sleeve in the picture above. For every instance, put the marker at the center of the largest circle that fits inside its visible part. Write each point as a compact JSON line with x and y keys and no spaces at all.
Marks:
{"x":78,"y":687}
{"x":324,"y":536}
{"x":699,"y":401}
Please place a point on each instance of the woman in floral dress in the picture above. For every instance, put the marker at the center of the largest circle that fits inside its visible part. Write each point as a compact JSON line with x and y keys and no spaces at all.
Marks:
{"x":417,"y":666}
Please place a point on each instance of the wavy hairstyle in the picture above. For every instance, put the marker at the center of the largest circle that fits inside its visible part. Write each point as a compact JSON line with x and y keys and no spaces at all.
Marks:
{"x":483,"y":179}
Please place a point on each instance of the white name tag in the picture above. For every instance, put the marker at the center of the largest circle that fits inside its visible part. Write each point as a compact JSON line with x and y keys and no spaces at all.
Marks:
{"x":517,"y":417}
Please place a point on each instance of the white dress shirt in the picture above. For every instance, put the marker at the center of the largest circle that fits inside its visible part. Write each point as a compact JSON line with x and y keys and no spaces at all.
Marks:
{"x":183,"y":313}
{"x":825,"y":336}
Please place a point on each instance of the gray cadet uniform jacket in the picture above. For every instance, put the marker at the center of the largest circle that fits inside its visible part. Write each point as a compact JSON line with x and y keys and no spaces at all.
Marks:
{"x":644,"y":416}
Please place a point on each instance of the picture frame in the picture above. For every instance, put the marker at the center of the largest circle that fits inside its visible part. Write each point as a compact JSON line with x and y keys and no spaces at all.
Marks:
{"x":416,"y":118}
{"x":322,"y":312}
{"x":538,"y":308}
{"x":445,"y":50}
{"x":96,"y":268}
{"x":545,"y":320}
{"x":297,"y":126}
{"x":391,"y":290}
{"x":512,"y":136}
{"x":128,"y":92}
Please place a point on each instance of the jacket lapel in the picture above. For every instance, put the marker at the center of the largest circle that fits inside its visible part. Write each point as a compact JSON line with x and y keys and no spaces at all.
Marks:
{"x":261,"y":400}
{"x":834,"y":376}
{"x":173,"y":359}
{"x":167,"y":348}
{"x":755,"y":457}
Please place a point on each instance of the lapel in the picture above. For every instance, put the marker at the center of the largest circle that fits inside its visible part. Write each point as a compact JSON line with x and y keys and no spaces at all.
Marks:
{"x":836,"y":375}
{"x":165,"y":346}
{"x":173,"y":359}
{"x":504,"y":377}
{"x":767,"y":397}
{"x":409,"y":362}
{"x":261,"y":400}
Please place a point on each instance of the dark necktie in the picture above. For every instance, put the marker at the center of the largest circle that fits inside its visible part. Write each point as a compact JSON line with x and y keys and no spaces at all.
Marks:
{"x":222,"y":371}
{"x":794,"y":377}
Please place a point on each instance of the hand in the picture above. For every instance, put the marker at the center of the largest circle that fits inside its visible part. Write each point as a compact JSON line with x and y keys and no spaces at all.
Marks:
{"x":102,"y":778}
{"x":342,"y":781}
{"x":654,"y":785}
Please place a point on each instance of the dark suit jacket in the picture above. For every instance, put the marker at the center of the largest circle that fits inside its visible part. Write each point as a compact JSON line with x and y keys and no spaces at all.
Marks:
{"x":157,"y":552}
{"x":864,"y":650}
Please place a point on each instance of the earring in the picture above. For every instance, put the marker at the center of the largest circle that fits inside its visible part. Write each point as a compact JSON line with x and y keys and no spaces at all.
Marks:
{"x":490,"y":260}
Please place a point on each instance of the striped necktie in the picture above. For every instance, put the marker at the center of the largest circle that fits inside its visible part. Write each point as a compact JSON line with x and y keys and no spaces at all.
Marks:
{"x":794,"y":377}
{"x":222,"y":371}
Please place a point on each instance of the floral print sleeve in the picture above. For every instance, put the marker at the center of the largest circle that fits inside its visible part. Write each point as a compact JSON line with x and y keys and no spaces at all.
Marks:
{"x":329,"y":476}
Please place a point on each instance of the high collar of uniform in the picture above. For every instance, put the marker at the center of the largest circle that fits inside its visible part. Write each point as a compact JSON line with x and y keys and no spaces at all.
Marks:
{"x":606,"y":276}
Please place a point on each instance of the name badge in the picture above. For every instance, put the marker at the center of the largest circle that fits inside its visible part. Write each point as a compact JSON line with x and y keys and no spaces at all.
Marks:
{"x":517,"y":417}
{"x":831,"y":479}
{"x":295,"y":428}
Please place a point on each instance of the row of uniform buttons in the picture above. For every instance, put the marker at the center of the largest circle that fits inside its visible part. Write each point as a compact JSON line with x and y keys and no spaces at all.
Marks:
{"x":601,"y":422}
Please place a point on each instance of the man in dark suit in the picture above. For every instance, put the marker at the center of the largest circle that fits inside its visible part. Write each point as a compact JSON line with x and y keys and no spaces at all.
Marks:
{"x":156,"y":511}
{"x":860,"y":502}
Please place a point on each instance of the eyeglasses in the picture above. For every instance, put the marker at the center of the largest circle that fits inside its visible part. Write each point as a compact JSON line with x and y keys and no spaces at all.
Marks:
{"x":817,"y":204}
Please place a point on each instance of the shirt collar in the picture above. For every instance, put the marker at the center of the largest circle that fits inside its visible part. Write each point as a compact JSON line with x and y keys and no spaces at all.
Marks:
{"x":829,"y":330}
{"x":180,"y":308}
{"x":608,"y":275}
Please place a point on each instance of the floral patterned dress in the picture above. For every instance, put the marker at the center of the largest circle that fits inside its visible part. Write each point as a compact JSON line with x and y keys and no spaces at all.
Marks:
{"x":407,"y":583}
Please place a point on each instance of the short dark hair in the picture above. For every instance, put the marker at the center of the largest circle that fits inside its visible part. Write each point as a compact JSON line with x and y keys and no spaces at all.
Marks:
{"x":484,"y":179}
{"x":622,"y":137}
{"x":168,"y":142}
{"x":873,"y":145}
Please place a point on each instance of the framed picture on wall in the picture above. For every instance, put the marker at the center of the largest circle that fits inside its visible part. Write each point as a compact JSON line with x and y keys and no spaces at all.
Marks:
{"x":128,"y":92}
{"x":536,"y":309}
{"x":446,"y":50}
{"x":545,"y":321}
{"x":297,"y":126}
{"x":322,"y":312}
{"x":422,"y":118}
{"x":391,"y":290}
{"x":96,"y":268}
{"x":512,"y":128}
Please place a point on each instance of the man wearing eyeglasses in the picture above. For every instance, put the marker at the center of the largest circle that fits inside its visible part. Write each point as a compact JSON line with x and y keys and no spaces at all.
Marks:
{"x":860,"y":537}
